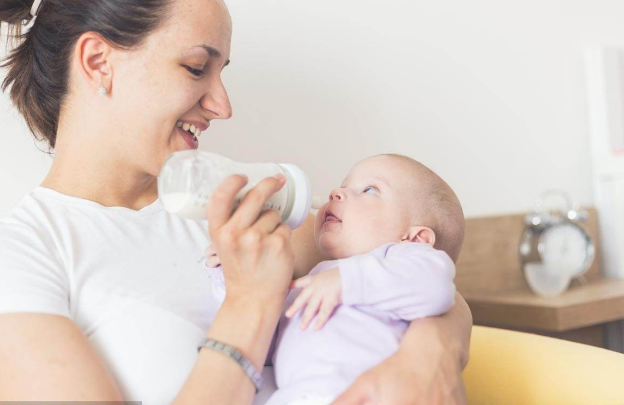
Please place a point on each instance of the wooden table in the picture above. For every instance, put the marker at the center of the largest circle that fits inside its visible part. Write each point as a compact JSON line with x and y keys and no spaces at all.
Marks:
{"x":597,"y":302}
{"x":490,"y":279}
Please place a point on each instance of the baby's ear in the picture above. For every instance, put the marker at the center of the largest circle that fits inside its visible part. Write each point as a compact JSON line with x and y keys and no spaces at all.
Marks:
{"x":419,"y":234}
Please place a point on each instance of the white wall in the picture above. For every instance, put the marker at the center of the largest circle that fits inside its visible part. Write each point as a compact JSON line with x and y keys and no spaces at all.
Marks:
{"x":22,"y":164}
{"x":488,"y":93}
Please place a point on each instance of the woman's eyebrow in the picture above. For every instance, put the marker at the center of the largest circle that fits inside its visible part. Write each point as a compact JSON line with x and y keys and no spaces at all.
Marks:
{"x":213,"y":52}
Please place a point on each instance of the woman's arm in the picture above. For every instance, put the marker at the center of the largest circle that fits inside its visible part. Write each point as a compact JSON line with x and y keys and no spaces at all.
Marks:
{"x":257,"y":259}
{"x":451,"y":331}
{"x":217,"y":379}
{"x":427,"y":367}
{"x":46,"y":357}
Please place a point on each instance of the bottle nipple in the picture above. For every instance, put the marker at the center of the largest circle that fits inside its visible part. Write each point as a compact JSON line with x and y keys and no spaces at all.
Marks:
{"x":317,"y":202}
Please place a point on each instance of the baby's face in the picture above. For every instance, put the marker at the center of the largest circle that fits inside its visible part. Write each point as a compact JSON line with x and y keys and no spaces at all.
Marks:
{"x":370,"y":208}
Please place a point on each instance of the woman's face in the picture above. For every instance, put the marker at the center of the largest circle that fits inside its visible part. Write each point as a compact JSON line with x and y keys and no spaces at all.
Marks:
{"x":174,"y":76}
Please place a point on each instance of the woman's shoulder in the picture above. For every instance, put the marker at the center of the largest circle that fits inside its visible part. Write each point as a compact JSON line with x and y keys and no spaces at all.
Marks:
{"x":24,"y":219}
{"x":33,"y":229}
{"x":26,"y":229}
{"x":32,"y":276}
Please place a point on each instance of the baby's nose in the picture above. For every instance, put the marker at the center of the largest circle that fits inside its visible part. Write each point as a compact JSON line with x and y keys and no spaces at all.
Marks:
{"x":338,"y":194}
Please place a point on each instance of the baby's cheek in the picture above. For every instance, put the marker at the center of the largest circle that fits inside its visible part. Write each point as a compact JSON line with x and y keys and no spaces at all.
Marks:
{"x":374,"y":221}
{"x":380,"y":227}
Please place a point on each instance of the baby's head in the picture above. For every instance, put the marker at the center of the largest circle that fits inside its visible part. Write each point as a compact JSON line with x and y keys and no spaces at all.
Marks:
{"x":389,"y":198}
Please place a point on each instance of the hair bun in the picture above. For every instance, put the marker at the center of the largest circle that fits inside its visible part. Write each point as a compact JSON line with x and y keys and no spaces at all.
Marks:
{"x":15,"y":11}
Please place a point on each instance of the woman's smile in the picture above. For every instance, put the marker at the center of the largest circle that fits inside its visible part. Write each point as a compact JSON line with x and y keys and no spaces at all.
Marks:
{"x":191,"y":131}
{"x":190,"y":139}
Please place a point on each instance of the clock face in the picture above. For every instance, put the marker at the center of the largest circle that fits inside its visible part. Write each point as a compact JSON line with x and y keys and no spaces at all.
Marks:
{"x":565,"y":247}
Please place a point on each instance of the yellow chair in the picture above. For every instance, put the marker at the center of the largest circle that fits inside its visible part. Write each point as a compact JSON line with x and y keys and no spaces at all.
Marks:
{"x":515,"y":368}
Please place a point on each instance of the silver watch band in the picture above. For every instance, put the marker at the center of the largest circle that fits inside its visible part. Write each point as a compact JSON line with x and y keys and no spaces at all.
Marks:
{"x":234,"y":354}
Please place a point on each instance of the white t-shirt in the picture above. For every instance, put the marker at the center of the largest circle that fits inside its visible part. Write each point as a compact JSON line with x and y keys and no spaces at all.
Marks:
{"x":133,"y":281}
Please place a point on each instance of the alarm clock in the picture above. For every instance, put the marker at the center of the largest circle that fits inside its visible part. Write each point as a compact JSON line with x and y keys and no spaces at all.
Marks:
{"x":554,"y":247}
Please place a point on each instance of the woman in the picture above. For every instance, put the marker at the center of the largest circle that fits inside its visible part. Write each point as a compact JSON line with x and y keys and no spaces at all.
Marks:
{"x":101,"y":293}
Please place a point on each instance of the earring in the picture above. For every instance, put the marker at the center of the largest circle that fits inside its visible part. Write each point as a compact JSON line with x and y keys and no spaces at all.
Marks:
{"x":102,"y":91}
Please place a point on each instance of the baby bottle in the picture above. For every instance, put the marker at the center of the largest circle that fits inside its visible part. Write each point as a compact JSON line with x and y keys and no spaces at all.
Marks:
{"x":188,"y":178}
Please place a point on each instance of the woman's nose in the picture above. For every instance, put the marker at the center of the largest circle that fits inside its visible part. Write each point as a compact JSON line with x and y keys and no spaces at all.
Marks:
{"x":216,"y":101}
{"x":338,"y":194}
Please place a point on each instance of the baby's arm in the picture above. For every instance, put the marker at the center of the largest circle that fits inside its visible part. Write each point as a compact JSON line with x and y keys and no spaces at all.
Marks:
{"x":414,"y":280}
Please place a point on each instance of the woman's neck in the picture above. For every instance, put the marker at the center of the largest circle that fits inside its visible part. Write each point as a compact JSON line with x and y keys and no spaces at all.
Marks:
{"x":87,"y":171}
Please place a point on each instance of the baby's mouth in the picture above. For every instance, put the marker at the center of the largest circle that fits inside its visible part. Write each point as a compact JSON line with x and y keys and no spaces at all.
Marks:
{"x":330,"y":217}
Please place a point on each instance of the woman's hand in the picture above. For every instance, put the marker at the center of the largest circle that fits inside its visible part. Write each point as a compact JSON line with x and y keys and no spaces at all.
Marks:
{"x":431,"y":377}
{"x":254,"y":249}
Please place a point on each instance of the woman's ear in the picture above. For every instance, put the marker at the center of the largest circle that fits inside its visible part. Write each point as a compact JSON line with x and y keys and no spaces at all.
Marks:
{"x":92,"y":55}
{"x":419,"y":234}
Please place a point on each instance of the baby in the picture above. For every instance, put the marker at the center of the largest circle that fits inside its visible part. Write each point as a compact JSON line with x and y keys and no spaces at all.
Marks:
{"x":393,"y":230}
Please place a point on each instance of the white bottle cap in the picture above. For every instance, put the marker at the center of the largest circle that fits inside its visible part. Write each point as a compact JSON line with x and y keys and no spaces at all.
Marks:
{"x":303,"y":196}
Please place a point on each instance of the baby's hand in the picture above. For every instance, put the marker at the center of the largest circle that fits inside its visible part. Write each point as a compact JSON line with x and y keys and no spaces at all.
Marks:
{"x":321,"y":293}
{"x":212,"y":259}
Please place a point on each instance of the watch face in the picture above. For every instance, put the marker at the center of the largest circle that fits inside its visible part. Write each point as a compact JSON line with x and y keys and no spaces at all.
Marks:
{"x":566,"y":247}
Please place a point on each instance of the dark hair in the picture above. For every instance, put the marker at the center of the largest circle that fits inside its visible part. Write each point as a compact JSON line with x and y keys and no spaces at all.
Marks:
{"x":38,"y":68}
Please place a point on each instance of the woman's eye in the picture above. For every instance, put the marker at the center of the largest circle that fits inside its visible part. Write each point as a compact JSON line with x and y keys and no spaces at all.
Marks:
{"x":194,"y":72}
{"x":370,"y":190}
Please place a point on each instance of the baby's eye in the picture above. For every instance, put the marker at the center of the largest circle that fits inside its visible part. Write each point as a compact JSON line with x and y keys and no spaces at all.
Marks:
{"x":370,"y":190}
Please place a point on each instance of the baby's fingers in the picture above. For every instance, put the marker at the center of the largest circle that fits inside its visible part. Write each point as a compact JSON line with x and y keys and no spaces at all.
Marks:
{"x":327,"y":307}
{"x":302,"y":282}
{"x":213,"y":261}
{"x":311,"y":309}
{"x":299,"y":303}
{"x":210,"y":251}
